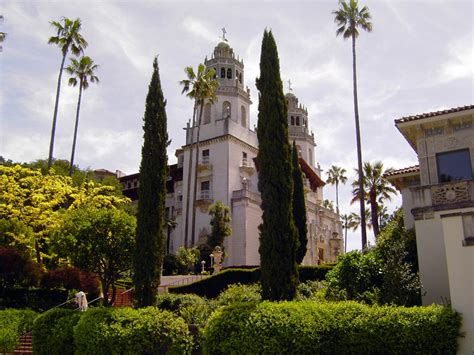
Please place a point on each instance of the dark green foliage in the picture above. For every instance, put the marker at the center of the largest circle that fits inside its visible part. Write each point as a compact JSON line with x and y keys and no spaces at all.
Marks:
{"x":278,"y":238}
{"x":129,"y":331}
{"x":355,"y":277}
{"x":36,"y":299}
{"x":13,"y":323}
{"x":53,"y":332}
{"x":174,"y":302}
{"x":313,"y":273}
{"x":71,"y":278}
{"x":150,"y":239}
{"x":333,"y":328}
{"x":299,"y":207}
{"x":220,"y":225}
{"x":212,"y":286}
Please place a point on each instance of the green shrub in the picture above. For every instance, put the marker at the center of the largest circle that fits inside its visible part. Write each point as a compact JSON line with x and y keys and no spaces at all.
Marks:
{"x":314,"y":273}
{"x":129,"y":331}
{"x":311,"y":290}
{"x":345,"y":327}
{"x":240,"y":293}
{"x":53,"y":332}
{"x":212,"y":286}
{"x":13,"y":323}
{"x":174,"y":302}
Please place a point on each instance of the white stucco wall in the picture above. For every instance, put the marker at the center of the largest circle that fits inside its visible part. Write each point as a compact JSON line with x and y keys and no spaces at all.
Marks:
{"x":432,"y":261}
{"x":460,"y":262}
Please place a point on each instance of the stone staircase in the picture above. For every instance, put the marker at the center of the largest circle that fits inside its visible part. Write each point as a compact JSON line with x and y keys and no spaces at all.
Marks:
{"x":123,"y":298}
{"x":26,"y":345}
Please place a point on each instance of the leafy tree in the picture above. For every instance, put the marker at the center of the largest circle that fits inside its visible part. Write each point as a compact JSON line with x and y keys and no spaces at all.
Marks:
{"x":150,"y":240}
{"x":61,"y":167}
{"x":31,"y":204}
{"x":98,"y":240}
{"x":201,"y":87}
{"x":278,"y":238}
{"x":186,"y":258}
{"x":299,"y":207}
{"x":376,"y":190}
{"x":17,"y":269}
{"x":336,"y":176}
{"x":3,"y":35}
{"x":348,"y":19}
{"x":220,"y":225}
{"x":67,"y":38}
{"x":82,"y":71}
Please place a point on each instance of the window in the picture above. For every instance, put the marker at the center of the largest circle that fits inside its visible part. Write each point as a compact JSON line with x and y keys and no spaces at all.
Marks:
{"x":243,"y":113}
{"x":207,"y":113}
{"x":297,"y":120}
{"x":205,"y":156}
{"x":455,"y":165}
{"x":226,"y":109}
{"x":222,"y":72}
{"x":292,"y":120}
{"x":468,"y":228}
{"x":244,"y":159}
{"x":310,"y":152}
{"x":229,"y":73}
{"x":240,"y":78}
{"x":205,"y":190}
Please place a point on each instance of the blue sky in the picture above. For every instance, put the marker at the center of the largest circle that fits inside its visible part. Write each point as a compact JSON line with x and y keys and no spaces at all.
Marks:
{"x":417,"y":59}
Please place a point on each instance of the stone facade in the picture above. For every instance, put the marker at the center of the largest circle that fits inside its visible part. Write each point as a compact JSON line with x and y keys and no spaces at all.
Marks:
{"x":227,"y":172}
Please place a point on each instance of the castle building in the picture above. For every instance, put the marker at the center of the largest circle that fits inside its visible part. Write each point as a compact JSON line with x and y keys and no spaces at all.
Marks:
{"x":226,"y":172}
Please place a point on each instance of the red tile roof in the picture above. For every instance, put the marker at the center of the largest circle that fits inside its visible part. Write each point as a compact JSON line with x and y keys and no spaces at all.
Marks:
{"x":410,"y":169}
{"x":314,"y":179}
{"x":433,"y":114}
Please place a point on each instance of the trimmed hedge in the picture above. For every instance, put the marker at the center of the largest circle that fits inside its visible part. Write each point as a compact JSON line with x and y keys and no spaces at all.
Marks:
{"x":53,"y":332}
{"x":129,"y":331}
{"x":212,"y":286}
{"x":13,"y":323}
{"x":174,"y":302}
{"x":336,"y":328}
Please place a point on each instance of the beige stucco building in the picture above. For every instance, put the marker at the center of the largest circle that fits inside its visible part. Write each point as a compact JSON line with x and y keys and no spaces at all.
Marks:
{"x":227,"y":172}
{"x":438,"y":200}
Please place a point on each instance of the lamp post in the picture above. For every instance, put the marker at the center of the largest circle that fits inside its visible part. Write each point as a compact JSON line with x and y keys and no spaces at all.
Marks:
{"x":212,"y":259}
{"x":203,"y":264}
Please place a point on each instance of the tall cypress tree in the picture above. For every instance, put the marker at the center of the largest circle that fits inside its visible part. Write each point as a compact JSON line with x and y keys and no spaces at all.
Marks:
{"x":279,"y":275}
{"x":150,"y":238}
{"x":299,"y":207}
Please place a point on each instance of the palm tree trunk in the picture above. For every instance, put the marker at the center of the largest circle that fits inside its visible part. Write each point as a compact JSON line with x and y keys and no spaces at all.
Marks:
{"x":193,"y":221}
{"x":359,"y":152}
{"x":188,"y":190}
{"x":337,"y":196}
{"x":75,"y":129}
{"x":373,"y":211}
{"x":345,"y":238}
{"x":55,"y":114}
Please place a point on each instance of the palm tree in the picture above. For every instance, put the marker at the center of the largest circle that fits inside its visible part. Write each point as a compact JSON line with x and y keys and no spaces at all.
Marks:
{"x":336,"y":176}
{"x":200,"y":87}
{"x":348,"y":19}
{"x":348,"y":222}
{"x":328,"y":204}
{"x":2,"y":34}
{"x":67,"y":37}
{"x":82,"y":71}
{"x":376,"y":190}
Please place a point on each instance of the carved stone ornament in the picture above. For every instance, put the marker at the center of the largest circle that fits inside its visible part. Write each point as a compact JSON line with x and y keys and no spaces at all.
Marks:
{"x":450,"y":193}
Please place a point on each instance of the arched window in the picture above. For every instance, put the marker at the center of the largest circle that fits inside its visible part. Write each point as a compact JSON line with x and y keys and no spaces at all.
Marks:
{"x":226,"y":109}
{"x":229,"y":73}
{"x":243,"y":113}
{"x":310,"y":151}
{"x":207,"y":113}
{"x":240,"y":78}
{"x":297,"y":120}
{"x":222,"y":72}
{"x":292,"y":120}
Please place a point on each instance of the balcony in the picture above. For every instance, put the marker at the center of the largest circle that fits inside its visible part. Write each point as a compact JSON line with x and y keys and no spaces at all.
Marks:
{"x":441,"y":197}
{"x":205,"y":195}
{"x":247,"y":166}
{"x":205,"y":164}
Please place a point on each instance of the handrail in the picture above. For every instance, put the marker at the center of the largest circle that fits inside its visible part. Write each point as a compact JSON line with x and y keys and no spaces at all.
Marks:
{"x":59,"y":305}
{"x":88,"y":303}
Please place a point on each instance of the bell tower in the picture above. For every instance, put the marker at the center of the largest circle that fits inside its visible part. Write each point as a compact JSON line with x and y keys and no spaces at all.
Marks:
{"x":298,"y":129}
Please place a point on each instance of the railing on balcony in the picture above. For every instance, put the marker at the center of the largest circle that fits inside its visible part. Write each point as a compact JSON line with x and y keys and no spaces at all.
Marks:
{"x":443,"y":196}
{"x":205,"y":160}
{"x":205,"y":195}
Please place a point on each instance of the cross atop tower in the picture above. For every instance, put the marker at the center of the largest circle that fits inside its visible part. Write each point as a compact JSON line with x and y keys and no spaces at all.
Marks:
{"x":289,"y":85}
{"x":223,"y":34}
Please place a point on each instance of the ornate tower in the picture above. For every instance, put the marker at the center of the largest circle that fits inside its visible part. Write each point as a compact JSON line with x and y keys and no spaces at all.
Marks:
{"x":298,"y":129}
